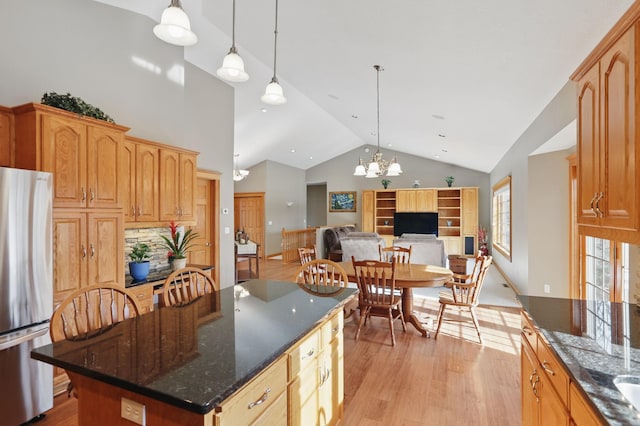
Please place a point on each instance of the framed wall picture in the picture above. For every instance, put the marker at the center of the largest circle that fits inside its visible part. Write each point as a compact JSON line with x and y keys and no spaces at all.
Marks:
{"x":342,"y":201}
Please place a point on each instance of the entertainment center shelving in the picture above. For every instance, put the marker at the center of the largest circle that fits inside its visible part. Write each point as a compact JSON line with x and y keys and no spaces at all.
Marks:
{"x":457,"y":213}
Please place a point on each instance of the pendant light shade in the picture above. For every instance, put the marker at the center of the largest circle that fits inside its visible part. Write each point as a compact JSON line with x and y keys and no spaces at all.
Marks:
{"x":238,"y":174}
{"x":378,"y":166}
{"x":273,"y":94}
{"x":232,"y":68}
{"x":174,"y":26}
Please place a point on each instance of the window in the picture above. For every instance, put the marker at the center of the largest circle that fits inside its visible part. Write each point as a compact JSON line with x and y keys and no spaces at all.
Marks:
{"x":501,"y":220}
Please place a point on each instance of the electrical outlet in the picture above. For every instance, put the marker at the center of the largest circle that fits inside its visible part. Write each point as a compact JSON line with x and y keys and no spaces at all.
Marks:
{"x":133,"y":411}
{"x":547,"y":288}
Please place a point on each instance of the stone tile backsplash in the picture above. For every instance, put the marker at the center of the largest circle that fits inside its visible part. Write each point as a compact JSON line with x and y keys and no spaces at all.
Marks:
{"x":151,"y":237}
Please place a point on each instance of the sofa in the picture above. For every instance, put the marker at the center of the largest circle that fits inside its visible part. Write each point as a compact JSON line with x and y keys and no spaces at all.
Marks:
{"x":425,"y":248}
{"x":332,"y":249}
{"x":362,"y":246}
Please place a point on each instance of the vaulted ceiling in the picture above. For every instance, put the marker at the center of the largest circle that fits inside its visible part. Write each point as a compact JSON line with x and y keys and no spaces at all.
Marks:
{"x":463,"y":79}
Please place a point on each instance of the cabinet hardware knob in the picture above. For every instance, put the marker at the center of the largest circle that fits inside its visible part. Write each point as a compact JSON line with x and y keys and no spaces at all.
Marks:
{"x":527,"y":330}
{"x":309,"y":354}
{"x":599,"y":212}
{"x":91,"y":248}
{"x":84,"y":252}
{"x":84,"y":194}
{"x":262,"y":399}
{"x":593,"y":199}
{"x":133,"y":211}
{"x":91,"y":195}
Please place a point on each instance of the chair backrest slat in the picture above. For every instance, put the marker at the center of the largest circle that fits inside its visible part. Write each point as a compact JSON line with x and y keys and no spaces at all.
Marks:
{"x":322,"y":277}
{"x":376,"y":281}
{"x":186,"y":285}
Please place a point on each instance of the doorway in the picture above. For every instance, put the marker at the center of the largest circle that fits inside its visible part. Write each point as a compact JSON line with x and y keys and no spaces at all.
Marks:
{"x":249,"y":215}
{"x":207,"y":250}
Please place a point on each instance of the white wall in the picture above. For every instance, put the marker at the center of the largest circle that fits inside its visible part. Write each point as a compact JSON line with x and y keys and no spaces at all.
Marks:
{"x":548,"y":227}
{"x":556,"y":116}
{"x":110,"y":58}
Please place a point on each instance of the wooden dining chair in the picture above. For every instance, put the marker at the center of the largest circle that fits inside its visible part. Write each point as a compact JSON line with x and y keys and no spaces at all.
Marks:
{"x":400,"y":254}
{"x":186,"y":285}
{"x":307,"y":254}
{"x":90,"y":311}
{"x":322,"y":277}
{"x":376,"y":282}
{"x":464,"y":293}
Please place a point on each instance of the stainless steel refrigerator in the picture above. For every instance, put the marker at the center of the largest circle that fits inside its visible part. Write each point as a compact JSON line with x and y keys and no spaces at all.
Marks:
{"x":26,"y":293}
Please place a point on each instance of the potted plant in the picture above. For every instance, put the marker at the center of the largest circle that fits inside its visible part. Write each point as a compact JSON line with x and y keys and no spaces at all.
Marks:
{"x":139,"y":265}
{"x":449,"y":180}
{"x":178,"y":244}
{"x":385,"y":183}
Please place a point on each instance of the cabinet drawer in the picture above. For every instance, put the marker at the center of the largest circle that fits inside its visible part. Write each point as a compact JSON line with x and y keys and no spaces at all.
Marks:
{"x":529,"y":332}
{"x":332,"y":328}
{"x":304,"y":353}
{"x":275,"y":414}
{"x":554,"y":371}
{"x":250,"y":402}
{"x":144,"y":297}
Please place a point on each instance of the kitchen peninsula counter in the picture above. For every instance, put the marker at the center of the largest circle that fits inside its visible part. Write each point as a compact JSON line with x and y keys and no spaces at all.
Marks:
{"x":596,"y":341}
{"x":197,"y":356}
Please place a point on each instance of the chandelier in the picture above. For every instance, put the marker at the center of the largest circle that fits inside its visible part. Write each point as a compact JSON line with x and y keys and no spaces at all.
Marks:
{"x":238,"y":174}
{"x":378,"y":166}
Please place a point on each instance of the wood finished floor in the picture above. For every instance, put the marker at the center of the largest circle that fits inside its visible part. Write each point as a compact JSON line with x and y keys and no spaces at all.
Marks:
{"x":451,"y":380}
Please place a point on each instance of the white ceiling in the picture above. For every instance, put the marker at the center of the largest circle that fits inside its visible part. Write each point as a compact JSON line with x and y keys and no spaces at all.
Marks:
{"x":475,"y":72}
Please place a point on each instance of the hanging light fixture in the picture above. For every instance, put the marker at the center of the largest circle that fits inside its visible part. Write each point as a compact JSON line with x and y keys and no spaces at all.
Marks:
{"x":174,"y":26}
{"x":273,"y":93}
{"x":238,"y":174}
{"x":378,"y":166}
{"x":232,"y":68}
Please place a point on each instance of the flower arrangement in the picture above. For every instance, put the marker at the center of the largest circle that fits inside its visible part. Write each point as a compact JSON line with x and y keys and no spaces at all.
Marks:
{"x":178,"y":244}
{"x":482,"y":240}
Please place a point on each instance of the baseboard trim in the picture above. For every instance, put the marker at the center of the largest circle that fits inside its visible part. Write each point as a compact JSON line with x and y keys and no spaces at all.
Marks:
{"x":506,"y":278}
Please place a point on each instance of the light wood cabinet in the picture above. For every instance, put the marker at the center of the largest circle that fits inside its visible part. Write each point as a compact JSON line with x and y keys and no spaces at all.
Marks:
{"x":457,"y":213}
{"x":6,"y":136}
{"x":416,"y":200}
{"x":177,"y":186}
{"x":88,"y":249}
{"x":85,"y":155}
{"x":549,"y":396}
{"x":608,"y":178}
{"x":142,"y":177}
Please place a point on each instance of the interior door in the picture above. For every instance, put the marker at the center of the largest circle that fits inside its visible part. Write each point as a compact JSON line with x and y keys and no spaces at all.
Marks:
{"x":249,"y":215}
{"x":206,"y":251}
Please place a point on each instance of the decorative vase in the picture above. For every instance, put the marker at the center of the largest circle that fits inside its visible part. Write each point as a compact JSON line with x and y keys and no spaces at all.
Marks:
{"x":178,"y":263}
{"x":139,"y":270}
{"x":449,"y":184}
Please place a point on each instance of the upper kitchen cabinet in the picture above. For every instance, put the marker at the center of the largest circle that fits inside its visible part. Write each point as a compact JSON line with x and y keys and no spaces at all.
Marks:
{"x":6,"y":136}
{"x":142,"y":179}
{"x":84,"y":154}
{"x":608,"y":175}
{"x":177,"y":186}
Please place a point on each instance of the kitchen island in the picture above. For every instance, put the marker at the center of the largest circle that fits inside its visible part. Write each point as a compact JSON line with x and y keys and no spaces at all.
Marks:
{"x":261,"y":351}
{"x":595,"y":342}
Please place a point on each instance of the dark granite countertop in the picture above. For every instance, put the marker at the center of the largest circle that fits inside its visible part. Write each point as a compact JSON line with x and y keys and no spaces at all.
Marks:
{"x":159,"y":275}
{"x":196,"y":356}
{"x":597,"y":341}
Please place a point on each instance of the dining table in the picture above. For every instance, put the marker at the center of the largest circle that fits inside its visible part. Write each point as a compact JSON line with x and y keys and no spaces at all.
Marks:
{"x":409,"y":276}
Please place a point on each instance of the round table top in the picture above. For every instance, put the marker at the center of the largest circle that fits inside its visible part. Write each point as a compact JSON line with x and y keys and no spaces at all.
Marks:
{"x":412,"y":274}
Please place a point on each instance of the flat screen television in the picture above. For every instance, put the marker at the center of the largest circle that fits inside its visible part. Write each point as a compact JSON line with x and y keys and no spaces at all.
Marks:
{"x":415,"y":223}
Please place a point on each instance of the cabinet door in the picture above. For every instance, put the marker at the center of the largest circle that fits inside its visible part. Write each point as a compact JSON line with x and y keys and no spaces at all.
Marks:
{"x":105,"y":246}
{"x":129,"y":180}
{"x":368,"y":211}
{"x":147,"y":183}
{"x":405,"y":200}
{"x":426,"y":200}
{"x":169,"y":185}
{"x":104,"y":164}
{"x":331,"y":386}
{"x":6,"y":137}
{"x":69,"y":253}
{"x":452,"y":245}
{"x":469,"y":211}
{"x":187,"y":193}
{"x":618,"y":135}
{"x":552,"y":410}
{"x":64,"y":144}
{"x":529,"y":376}
{"x":588,"y":146}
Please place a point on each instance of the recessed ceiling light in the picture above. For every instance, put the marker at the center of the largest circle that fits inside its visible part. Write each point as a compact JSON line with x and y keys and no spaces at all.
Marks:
{"x":293,"y":150}
{"x":437,"y":156}
{"x":263,"y":110}
{"x":437,"y":116}
{"x":310,"y":158}
{"x":389,"y":144}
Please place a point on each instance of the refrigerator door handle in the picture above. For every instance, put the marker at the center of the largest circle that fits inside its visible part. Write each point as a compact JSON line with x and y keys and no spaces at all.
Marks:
{"x":30,"y":333}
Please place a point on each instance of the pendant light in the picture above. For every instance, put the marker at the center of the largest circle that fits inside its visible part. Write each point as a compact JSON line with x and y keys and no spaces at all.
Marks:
{"x":378,"y":166}
{"x":174,"y":26}
{"x":238,"y":174}
{"x":273,"y":93}
{"x":232,"y":68}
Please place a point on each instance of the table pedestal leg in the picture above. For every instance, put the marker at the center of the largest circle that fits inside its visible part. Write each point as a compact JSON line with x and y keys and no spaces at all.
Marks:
{"x":409,"y":315}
